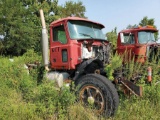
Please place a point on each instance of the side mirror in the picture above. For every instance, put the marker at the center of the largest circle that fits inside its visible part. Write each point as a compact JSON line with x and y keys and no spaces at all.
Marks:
{"x":122,"y":37}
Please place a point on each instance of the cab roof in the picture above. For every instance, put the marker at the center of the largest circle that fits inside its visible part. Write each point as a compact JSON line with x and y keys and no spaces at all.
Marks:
{"x":145,"y":28}
{"x":76,"y":18}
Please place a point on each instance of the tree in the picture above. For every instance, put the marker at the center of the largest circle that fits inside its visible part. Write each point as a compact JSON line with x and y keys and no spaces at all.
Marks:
{"x":145,"y":21}
{"x":21,"y":26}
{"x":15,"y":31}
{"x":72,"y":9}
{"x":131,"y":26}
{"x":112,"y":37}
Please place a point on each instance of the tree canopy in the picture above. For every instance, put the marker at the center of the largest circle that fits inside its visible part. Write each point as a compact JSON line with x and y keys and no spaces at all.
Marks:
{"x":112,"y":37}
{"x":146,"y":21}
{"x":20,"y":27}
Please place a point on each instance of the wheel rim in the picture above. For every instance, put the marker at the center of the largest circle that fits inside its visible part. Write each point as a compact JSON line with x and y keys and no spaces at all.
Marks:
{"x":92,"y":96}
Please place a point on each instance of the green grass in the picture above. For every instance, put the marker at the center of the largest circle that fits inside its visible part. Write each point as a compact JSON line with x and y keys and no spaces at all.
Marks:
{"x":24,"y":96}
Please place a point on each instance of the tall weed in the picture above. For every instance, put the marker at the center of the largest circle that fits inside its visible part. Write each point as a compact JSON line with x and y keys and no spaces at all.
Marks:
{"x":23,"y":97}
{"x":146,"y":107}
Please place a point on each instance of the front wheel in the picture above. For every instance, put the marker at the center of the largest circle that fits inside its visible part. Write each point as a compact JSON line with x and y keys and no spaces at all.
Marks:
{"x":98,"y":92}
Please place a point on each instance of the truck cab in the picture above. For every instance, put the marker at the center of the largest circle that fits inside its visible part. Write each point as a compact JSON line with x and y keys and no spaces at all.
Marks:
{"x":72,"y":40}
{"x":137,"y":43}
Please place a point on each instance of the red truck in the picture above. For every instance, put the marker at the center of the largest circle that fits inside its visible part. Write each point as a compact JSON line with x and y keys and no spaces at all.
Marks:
{"x":139,"y":43}
{"x":79,"y":52}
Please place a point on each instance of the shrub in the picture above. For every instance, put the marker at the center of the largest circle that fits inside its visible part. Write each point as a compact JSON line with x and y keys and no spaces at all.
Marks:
{"x":35,"y":100}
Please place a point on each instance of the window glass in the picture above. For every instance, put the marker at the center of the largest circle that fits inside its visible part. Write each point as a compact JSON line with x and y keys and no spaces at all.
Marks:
{"x":145,"y":37}
{"x":85,"y":30}
{"x":59,"y":34}
{"x":128,"y":38}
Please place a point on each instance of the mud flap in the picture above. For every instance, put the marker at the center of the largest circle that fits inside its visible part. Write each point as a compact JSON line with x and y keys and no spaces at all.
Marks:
{"x":137,"y":90}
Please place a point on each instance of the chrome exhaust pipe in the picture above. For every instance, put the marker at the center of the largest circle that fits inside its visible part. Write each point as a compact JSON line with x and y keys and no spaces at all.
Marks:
{"x":44,"y":41}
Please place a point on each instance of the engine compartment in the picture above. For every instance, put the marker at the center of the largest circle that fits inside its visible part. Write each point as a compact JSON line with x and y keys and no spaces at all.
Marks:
{"x":101,"y":51}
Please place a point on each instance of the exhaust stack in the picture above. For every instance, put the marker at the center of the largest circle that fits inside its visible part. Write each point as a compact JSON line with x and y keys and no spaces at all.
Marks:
{"x":44,"y":41}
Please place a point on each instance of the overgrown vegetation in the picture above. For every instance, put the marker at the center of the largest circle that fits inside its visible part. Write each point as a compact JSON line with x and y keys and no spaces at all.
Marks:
{"x":147,"y":106}
{"x":24,"y":96}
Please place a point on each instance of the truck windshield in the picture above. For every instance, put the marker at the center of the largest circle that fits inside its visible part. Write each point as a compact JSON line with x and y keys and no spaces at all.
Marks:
{"x":85,"y":30}
{"x":146,"y":37}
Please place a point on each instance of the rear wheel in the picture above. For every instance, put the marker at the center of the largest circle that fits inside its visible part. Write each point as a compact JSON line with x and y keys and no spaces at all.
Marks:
{"x":99,"y":93}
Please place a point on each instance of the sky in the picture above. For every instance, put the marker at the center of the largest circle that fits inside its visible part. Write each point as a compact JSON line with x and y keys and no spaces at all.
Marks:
{"x":120,"y":13}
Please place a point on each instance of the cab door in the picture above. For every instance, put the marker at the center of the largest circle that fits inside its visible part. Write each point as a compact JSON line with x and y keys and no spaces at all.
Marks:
{"x":127,"y":45}
{"x":59,"y":48}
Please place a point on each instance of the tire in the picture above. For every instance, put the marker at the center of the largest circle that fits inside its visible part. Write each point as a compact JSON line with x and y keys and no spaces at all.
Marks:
{"x":98,"y":91}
